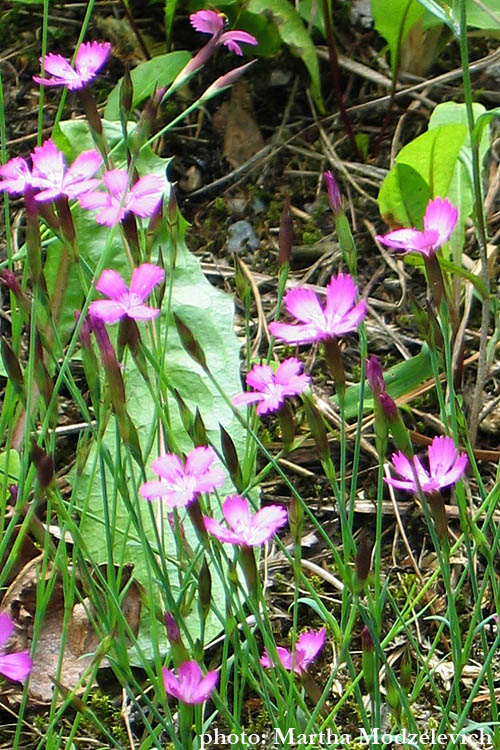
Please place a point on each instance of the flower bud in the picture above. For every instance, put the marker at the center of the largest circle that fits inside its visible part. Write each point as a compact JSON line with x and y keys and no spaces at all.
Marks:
{"x":189,"y":342}
{"x":363,"y":562}
{"x":295,"y":519}
{"x":13,"y":369}
{"x":126,"y":94}
{"x":317,"y":427}
{"x":223,"y":82}
{"x":231,"y":458}
{"x":368,"y":659}
{"x":44,"y":465}
{"x":204,"y":590}
{"x":179,"y":652}
{"x":332,"y":189}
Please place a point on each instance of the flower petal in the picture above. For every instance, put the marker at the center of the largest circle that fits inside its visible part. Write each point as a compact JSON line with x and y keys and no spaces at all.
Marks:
{"x":15,"y":176}
{"x":454,"y":474}
{"x":304,"y":305}
{"x":207,"y":21}
{"x":112,"y":285}
{"x":401,"y":239}
{"x":237,"y":512}
{"x":310,"y":644}
{"x":260,"y":377}
{"x":243,"y":399}
{"x":205,"y":686}
{"x":145,"y":278}
{"x":168,"y":467}
{"x":340,"y":296}
{"x":90,"y":58}
{"x":48,"y":166}
{"x":403,"y":466}
{"x":300,"y":334}
{"x":146,"y":194}
{"x":6,"y":628}
{"x":287,"y":370}
{"x":199,"y":460}
{"x":142,"y":312}
{"x":220,"y":532}
{"x":171,"y":683}
{"x":442,"y":455}
{"x":16,"y":666}
{"x":108,"y":310}
{"x":441,"y":216}
{"x":265,"y":523}
{"x":116,"y":180}
{"x":351,"y":320}
{"x":154,"y":488}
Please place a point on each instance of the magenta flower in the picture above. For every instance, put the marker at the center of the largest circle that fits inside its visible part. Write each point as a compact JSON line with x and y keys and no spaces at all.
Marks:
{"x":246,"y":529}
{"x":123,"y":301}
{"x":142,"y":198}
{"x":445,"y":467}
{"x":180,"y":484}
{"x":89,"y":59}
{"x":340,"y":316}
{"x":271,"y":389}
{"x":308,"y":646}
{"x":16,"y":666}
{"x":189,"y":686}
{"x":210,"y":22}
{"x":439,"y":222}
{"x":15,"y":176}
{"x":53,"y":178}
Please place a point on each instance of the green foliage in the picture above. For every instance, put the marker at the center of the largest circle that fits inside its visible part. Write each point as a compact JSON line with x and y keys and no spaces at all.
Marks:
{"x":393,"y":20}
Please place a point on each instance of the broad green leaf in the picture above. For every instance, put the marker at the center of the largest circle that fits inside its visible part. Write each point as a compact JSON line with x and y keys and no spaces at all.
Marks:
{"x":433,"y":157}
{"x":479,"y":18}
{"x":399,"y":379}
{"x":293,"y":33}
{"x":146,"y":77}
{"x":460,"y":191}
{"x":393,"y":20}
{"x":209,"y":314}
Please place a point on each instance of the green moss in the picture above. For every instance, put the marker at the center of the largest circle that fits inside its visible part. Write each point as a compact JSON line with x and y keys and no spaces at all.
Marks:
{"x":311,"y":236}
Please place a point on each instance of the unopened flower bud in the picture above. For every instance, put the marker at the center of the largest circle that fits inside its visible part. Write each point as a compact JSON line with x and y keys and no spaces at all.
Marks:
{"x":189,"y":342}
{"x":368,"y":659}
{"x":204,"y":590}
{"x":230,"y":457}
{"x":317,"y":427}
{"x":363,"y":562}
{"x":200,"y":432}
{"x":179,"y":652}
{"x":332,"y":189}
{"x":126,"y":94}
{"x":44,"y":466}
{"x":13,"y":369}
{"x":10,"y":280}
{"x":223,"y":82}
{"x":295,"y":519}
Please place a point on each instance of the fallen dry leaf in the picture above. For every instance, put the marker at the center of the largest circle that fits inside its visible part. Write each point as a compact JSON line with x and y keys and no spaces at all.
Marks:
{"x":236,"y":118}
{"x":76,"y":635}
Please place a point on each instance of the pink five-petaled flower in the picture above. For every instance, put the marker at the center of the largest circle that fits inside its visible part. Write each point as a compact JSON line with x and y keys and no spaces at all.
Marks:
{"x":16,"y":666}
{"x":142,"y":198}
{"x":210,"y":22}
{"x":89,"y":59}
{"x":445,"y":467}
{"x":439,"y":222}
{"x":340,"y":315}
{"x":189,"y":686}
{"x":180,"y":484}
{"x":53,"y":179}
{"x":246,"y":529}
{"x":123,"y":301}
{"x":271,"y":389}
{"x":308,"y":646}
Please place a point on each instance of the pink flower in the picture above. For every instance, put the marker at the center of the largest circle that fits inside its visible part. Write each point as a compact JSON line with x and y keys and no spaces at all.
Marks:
{"x":15,"y":176}
{"x":189,"y":686}
{"x":142,"y":198}
{"x":445,"y":467}
{"x":89,"y":59}
{"x":16,"y":666}
{"x":340,"y":316}
{"x":51,"y":176}
{"x":180,"y":483}
{"x":123,"y":301}
{"x":272,"y":389}
{"x":439,"y":222}
{"x":308,"y":646}
{"x":210,"y":22}
{"x":246,"y":529}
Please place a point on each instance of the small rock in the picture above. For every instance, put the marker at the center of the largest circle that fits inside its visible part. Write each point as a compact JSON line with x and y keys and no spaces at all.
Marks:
{"x":241,"y":236}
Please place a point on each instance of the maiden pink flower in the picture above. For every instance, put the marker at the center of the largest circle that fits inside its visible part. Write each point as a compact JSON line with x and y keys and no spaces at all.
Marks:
{"x":439,"y":222}
{"x":445,"y":467}
{"x":54,"y":179}
{"x":210,"y":22}
{"x":123,"y":301}
{"x":15,"y":176}
{"x":340,"y":316}
{"x":16,"y":666}
{"x":180,"y":484}
{"x":142,"y":198}
{"x":89,"y":59}
{"x":308,"y":646}
{"x":246,"y":529}
{"x":189,"y":686}
{"x":271,"y":389}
